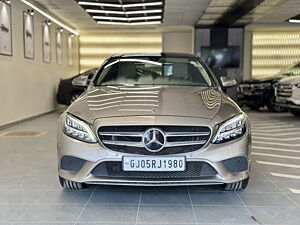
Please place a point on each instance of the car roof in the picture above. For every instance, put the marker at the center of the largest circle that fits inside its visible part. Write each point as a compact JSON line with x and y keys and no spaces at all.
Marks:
{"x":157,"y":54}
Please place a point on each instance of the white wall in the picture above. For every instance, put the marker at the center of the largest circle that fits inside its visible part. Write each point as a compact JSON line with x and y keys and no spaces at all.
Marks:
{"x":95,"y":47}
{"x":28,"y":87}
{"x":270,"y":49}
{"x":181,"y":41}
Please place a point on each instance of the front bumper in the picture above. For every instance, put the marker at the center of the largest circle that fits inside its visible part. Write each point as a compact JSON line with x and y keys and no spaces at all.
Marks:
{"x":288,"y":105}
{"x":290,"y":102}
{"x":213,"y":154}
{"x":222,"y":176}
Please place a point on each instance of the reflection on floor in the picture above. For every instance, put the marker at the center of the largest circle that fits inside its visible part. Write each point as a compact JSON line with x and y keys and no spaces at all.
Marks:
{"x":30,"y":193}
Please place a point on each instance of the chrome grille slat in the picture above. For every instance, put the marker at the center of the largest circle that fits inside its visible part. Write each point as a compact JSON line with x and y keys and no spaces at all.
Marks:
{"x":119,"y":134}
{"x":285,"y":90}
{"x":123,"y":143}
{"x":129,"y":139}
{"x":284,"y":94}
{"x":186,"y":143}
{"x":186,"y":134}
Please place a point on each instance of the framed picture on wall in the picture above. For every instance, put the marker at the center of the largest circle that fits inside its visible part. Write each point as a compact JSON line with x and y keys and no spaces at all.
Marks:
{"x":58,"y":46}
{"x":28,"y":35}
{"x":70,"y":49}
{"x":46,"y":39}
{"x":5,"y":29}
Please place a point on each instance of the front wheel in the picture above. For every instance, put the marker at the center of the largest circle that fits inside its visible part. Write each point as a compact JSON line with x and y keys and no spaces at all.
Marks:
{"x":236,"y":186}
{"x":68,"y":184}
{"x":73,"y":97}
{"x":295,"y":112}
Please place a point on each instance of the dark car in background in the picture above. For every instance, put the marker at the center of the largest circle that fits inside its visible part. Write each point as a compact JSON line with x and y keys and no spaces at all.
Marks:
{"x":259,"y":93}
{"x":67,"y":93}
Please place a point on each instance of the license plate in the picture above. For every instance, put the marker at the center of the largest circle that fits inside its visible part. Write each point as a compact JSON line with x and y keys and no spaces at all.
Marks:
{"x":153,"y":163}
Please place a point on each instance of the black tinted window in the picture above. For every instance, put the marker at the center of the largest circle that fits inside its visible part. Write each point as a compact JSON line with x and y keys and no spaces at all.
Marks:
{"x":154,"y":71}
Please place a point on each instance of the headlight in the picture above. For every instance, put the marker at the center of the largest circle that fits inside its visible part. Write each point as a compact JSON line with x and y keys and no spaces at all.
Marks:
{"x":78,"y":129}
{"x":231,"y":129}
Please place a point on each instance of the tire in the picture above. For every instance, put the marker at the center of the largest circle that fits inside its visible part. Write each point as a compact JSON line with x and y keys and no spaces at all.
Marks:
{"x":295,"y":112}
{"x":67,"y":184}
{"x":271,"y":104}
{"x":73,"y":97}
{"x":236,"y":186}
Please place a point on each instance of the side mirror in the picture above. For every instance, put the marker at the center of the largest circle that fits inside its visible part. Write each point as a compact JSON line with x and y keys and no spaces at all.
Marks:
{"x":80,"y":81}
{"x":228,"y":82}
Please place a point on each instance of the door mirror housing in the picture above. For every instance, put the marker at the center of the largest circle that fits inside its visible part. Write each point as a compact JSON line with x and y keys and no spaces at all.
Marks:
{"x":228,"y":82}
{"x":80,"y":81}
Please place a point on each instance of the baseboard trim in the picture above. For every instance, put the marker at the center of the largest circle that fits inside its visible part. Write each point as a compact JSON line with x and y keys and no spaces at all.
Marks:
{"x":11,"y":124}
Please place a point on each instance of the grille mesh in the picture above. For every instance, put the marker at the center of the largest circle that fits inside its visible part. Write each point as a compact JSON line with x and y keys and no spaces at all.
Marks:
{"x":237,"y":164}
{"x":284,"y":90}
{"x":114,"y":169}
{"x":128,"y":139}
{"x":71,"y":164}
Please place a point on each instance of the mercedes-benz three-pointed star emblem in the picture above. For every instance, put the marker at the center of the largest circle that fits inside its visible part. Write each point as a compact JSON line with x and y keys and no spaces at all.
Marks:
{"x":154,"y":140}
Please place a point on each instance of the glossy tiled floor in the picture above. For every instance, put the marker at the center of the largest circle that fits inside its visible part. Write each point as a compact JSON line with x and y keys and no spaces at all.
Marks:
{"x":30,"y":193}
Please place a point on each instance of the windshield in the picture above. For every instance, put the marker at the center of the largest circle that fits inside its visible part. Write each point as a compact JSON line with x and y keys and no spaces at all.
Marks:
{"x":295,"y":70}
{"x":154,"y":71}
{"x":291,"y":70}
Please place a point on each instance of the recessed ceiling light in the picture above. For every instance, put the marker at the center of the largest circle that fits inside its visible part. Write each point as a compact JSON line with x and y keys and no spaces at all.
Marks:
{"x":135,"y":23}
{"x":122,"y":12}
{"x":110,"y":18}
{"x":126,"y":19}
{"x":105,"y":11}
{"x":294,"y":21}
{"x":112,"y":23}
{"x":144,"y":11}
{"x":142,"y":4}
{"x":99,"y":4}
{"x":120,"y":5}
{"x":144,"y":18}
{"x":146,"y":23}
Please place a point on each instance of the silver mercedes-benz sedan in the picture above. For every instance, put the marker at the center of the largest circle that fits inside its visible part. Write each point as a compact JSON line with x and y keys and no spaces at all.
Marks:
{"x":154,"y":119}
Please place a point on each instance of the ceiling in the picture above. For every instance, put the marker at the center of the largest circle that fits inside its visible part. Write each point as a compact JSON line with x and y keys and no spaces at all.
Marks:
{"x":185,"y":12}
{"x":176,"y":13}
{"x":68,"y":11}
{"x":282,"y":13}
{"x":243,"y":12}
{"x":124,"y":12}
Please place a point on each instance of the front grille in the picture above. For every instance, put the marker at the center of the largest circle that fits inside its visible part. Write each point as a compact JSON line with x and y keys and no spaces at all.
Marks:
{"x":244,"y":88}
{"x":284,"y":90}
{"x":237,"y":164}
{"x":113,"y":169}
{"x":179,"y":139}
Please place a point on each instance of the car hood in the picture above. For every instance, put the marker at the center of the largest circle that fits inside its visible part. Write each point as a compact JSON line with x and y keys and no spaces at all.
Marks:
{"x":122,"y":101}
{"x":290,"y":80}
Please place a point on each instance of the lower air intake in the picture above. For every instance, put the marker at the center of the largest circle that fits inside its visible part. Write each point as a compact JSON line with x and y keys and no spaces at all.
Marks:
{"x":71,"y":164}
{"x":237,"y":164}
{"x":113,"y":169}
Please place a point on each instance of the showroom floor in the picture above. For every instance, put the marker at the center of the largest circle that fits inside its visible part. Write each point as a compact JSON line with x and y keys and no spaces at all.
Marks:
{"x":30,"y":193}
